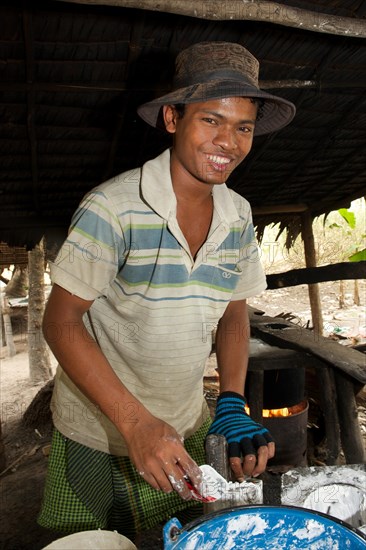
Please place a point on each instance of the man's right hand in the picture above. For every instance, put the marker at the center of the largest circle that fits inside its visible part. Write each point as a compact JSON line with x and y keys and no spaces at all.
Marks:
{"x":158,"y":453}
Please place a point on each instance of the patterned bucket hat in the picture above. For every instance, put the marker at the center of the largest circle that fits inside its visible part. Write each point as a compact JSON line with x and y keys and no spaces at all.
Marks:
{"x":215,"y":70}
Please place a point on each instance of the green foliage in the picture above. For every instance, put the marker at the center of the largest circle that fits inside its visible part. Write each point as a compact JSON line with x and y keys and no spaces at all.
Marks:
{"x":358,"y":256}
{"x":348,"y":216}
{"x":334,"y":226}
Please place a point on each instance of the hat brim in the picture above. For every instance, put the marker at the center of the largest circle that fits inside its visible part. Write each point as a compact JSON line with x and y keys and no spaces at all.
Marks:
{"x":276,"y":112}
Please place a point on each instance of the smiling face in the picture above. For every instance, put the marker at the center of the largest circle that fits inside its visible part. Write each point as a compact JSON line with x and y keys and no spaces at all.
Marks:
{"x":211,"y":139}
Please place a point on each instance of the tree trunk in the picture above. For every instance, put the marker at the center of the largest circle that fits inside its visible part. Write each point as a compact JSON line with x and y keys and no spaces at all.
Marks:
{"x":17,"y":287}
{"x":39,"y":360}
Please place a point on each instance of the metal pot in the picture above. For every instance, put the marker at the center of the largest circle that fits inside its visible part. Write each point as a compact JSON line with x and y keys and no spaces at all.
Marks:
{"x":263,"y":527}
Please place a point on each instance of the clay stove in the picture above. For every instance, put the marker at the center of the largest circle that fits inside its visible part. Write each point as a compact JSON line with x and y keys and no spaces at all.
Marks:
{"x":275,"y":390}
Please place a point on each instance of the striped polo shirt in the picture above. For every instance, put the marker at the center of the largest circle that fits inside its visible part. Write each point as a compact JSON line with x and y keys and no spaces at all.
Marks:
{"x":155,"y":306}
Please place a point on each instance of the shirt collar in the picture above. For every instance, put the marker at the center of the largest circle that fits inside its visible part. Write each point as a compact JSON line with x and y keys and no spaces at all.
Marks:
{"x":224,"y":204}
{"x":157,"y":191}
{"x":156,"y":185}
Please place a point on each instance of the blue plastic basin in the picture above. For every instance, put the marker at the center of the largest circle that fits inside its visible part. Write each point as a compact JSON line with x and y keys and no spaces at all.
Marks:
{"x":263,"y":528}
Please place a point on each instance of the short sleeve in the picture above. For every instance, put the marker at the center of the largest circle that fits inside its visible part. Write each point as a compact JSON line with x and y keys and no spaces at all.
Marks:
{"x":252,"y":280}
{"x":90,"y":257}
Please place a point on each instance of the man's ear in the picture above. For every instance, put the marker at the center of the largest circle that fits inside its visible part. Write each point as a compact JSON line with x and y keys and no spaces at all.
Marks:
{"x":170,"y":117}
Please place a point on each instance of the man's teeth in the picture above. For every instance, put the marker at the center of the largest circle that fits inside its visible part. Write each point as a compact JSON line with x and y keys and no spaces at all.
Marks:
{"x":218,"y":160}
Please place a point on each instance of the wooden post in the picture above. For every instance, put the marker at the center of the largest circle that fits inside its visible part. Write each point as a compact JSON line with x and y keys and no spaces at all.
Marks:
{"x":356,"y":294}
{"x":1,"y":319}
{"x":352,"y":443}
{"x":39,"y":359}
{"x":328,"y":399}
{"x":8,"y":330}
{"x":310,"y":260}
{"x":2,"y":451}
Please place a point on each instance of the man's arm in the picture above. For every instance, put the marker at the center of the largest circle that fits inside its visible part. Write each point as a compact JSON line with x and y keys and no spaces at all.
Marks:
{"x":155,"y":448}
{"x":232,"y":347}
{"x":232,"y":351}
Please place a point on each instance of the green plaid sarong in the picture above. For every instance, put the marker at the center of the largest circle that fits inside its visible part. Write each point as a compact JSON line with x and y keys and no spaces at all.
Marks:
{"x":88,"y":489}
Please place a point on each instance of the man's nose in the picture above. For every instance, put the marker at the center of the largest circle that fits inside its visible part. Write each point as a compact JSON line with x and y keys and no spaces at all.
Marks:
{"x":226,"y":138}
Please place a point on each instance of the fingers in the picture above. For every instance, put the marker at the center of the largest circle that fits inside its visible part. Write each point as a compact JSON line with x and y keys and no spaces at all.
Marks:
{"x":271,"y":450}
{"x":264,"y":453}
{"x":243,"y":467}
{"x":262,"y":457}
{"x":162,"y":460}
{"x":167,"y":479}
{"x":179,"y":485}
{"x":255,"y":453}
{"x":191,"y":470}
{"x":169,"y":475}
{"x":237,"y":468}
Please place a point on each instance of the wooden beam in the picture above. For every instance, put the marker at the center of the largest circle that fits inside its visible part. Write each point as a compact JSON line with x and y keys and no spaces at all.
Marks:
{"x":246,"y":10}
{"x":33,"y":222}
{"x":311,"y":275}
{"x":126,"y":87}
{"x":279,"y":209}
{"x":294,"y":84}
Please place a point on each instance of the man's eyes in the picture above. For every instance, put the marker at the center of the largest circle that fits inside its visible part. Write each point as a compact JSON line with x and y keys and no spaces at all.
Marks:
{"x":246,"y":129}
{"x":242,"y":129}
{"x":209,"y":120}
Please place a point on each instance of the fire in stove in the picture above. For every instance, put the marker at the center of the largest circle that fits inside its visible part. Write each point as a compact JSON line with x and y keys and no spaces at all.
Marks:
{"x":269,"y":413}
{"x":284,"y":414}
{"x":284,"y":411}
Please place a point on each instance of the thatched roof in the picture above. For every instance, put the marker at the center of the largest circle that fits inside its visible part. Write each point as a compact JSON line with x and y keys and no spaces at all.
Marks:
{"x":72,"y":75}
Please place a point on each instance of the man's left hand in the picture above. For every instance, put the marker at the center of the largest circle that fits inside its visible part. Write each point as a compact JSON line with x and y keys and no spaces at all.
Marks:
{"x":250,"y":445}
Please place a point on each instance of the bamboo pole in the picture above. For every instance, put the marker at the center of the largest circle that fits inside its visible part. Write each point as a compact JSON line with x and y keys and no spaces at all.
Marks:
{"x":310,"y":260}
{"x":246,"y":10}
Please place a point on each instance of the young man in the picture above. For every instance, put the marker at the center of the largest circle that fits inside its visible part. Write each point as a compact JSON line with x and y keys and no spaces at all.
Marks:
{"x":156,"y":258}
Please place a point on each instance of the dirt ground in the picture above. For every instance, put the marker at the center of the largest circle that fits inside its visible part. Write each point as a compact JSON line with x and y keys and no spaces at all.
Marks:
{"x":26,"y":448}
